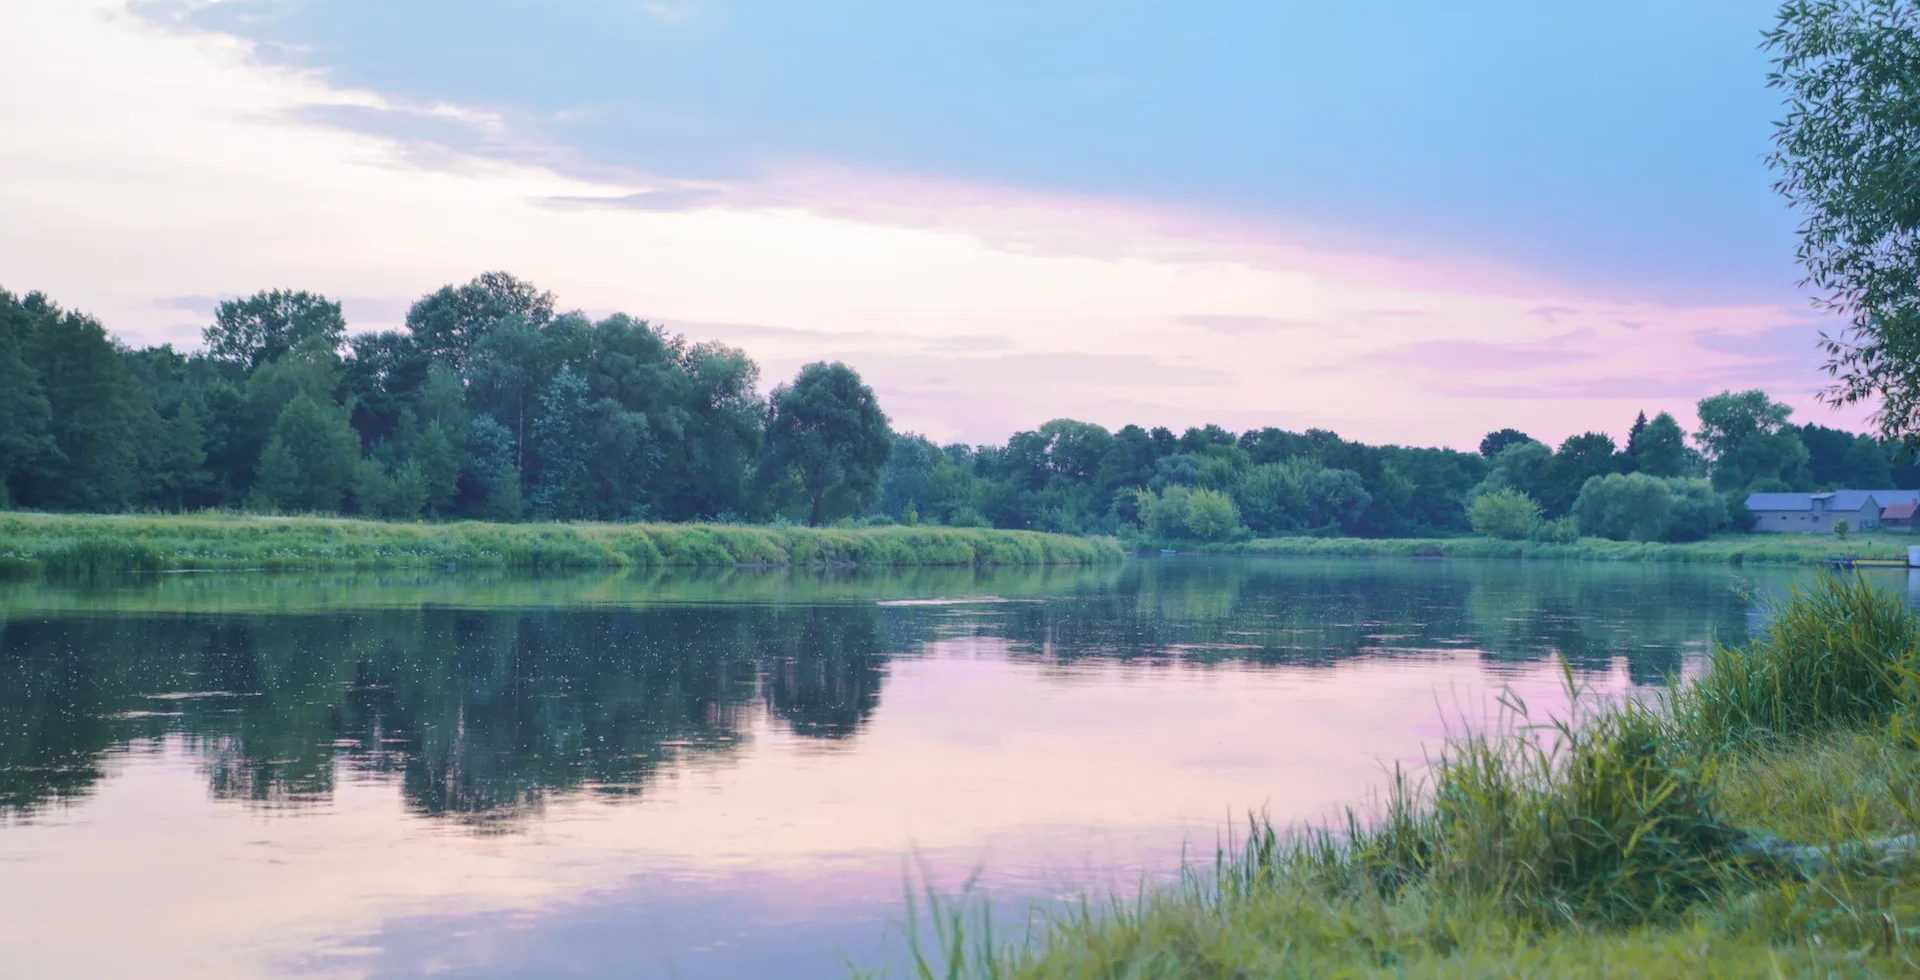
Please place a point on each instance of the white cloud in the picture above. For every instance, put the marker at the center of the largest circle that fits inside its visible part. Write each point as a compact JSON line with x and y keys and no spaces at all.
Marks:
{"x":145,"y":163}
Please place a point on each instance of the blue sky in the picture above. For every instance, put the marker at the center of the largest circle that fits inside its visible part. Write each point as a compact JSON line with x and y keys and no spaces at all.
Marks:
{"x":1407,"y":222}
{"x":1615,"y":144}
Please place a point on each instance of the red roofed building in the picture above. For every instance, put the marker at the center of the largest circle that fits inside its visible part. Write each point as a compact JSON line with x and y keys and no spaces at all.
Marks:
{"x":1899,"y":517}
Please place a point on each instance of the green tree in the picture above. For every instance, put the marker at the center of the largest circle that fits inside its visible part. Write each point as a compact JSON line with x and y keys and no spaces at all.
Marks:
{"x":1211,"y":515}
{"x":1579,"y":459}
{"x":1866,"y":465}
{"x":1745,"y":439}
{"x":396,"y":496}
{"x":1625,"y":507}
{"x":97,"y":412}
{"x":1661,"y":448}
{"x":491,"y":479}
{"x":309,"y":459}
{"x":1506,"y":513}
{"x":25,"y":414}
{"x":1497,"y":441}
{"x":562,"y":487}
{"x":827,"y":429}
{"x":271,"y":324}
{"x":1698,"y":511}
{"x":1844,"y":151}
{"x":433,"y":454}
{"x":174,"y":459}
{"x":449,"y":322}
{"x":1523,"y":466}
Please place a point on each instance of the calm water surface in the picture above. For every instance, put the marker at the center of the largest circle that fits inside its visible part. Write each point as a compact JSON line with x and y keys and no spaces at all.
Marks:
{"x":723,"y":774}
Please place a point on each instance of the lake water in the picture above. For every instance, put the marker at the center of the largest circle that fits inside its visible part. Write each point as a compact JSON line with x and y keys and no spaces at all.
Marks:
{"x":726,"y":773}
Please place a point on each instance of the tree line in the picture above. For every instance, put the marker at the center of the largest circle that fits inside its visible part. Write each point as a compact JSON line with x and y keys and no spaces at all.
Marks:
{"x":492,"y":404}
{"x":488,"y":405}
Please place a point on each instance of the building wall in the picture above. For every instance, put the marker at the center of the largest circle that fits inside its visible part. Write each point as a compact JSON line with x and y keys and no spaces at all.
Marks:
{"x":1814,"y":522}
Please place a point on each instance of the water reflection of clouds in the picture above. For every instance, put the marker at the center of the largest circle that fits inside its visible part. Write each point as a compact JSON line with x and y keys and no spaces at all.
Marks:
{"x":742,"y":779}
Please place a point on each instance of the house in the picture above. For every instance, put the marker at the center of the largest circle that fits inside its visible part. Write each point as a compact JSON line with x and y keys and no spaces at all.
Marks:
{"x":1815,"y":513}
{"x":1898,"y":517}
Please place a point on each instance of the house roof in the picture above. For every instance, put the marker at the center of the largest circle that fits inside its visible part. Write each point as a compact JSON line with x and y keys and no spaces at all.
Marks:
{"x":1887,"y":498}
{"x":1899,"y":512}
{"x":1841,"y":501}
{"x":1757,"y":502}
{"x":1848,"y":501}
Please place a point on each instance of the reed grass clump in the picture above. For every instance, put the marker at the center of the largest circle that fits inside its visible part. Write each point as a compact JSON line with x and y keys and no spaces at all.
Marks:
{"x":1760,"y":822}
{"x":1833,"y":654}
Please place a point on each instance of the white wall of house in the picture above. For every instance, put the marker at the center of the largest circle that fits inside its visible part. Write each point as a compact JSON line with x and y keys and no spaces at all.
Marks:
{"x":1815,"y":522}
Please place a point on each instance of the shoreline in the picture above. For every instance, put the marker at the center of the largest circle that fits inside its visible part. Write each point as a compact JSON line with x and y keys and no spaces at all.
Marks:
{"x":1760,"y":549}
{"x":86,"y":544}
{"x":1753,"y":822}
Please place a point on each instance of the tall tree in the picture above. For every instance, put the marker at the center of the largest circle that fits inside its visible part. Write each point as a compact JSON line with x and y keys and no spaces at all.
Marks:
{"x":1497,"y":441}
{"x":273,"y":323}
{"x":309,"y":459}
{"x":1850,"y":74}
{"x":1661,"y":449}
{"x":1579,"y":459}
{"x":25,"y":413}
{"x":449,"y":322}
{"x":712,"y":459}
{"x":97,"y":411}
{"x":827,"y":428}
{"x":1745,"y":440}
{"x":562,"y":437}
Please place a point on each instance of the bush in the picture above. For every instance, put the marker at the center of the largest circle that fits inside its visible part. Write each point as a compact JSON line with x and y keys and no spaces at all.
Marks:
{"x":1697,"y":510}
{"x":1180,"y":512}
{"x":1739,"y":518}
{"x":1638,"y":507}
{"x":1212,"y":516}
{"x":1507,"y":514}
{"x":1563,"y":530}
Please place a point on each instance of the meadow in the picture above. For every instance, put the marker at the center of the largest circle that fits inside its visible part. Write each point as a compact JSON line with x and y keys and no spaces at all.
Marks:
{"x":95,"y":544}
{"x":1758,"y":821}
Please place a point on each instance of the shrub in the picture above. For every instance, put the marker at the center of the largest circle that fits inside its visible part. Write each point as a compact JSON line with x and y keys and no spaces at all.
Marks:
{"x":1638,"y":507}
{"x":1186,"y":512}
{"x":1212,"y":516}
{"x":1839,"y":652}
{"x":1507,"y":514}
{"x":1561,"y":530}
{"x":1697,"y":510}
{"x":1624,"y":507}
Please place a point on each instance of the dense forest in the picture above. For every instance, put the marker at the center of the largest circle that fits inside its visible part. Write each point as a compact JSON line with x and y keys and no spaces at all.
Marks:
{"x":491,"y":404}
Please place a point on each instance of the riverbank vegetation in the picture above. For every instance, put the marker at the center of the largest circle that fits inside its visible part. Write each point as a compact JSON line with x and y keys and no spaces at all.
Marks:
{"x":1757,"y":822}
{"x":84,"y":544}
{"x":1735,"y":549}
{"x":493,"y":404}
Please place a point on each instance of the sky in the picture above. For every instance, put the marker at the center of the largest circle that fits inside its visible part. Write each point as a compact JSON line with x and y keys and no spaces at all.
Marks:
{"x":1403,"y":221}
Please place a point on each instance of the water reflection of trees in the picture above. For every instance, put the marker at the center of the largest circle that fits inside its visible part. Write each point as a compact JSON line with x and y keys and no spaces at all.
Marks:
{"x":1312,"y":613}
{"x":481,"y":716}
{"x":483,"y":713}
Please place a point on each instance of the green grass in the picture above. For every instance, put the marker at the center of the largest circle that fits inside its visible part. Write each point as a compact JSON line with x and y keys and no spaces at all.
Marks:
{"x":91,"y":544}
{"x":1621,"y":842}
{"x":1726,"y":549}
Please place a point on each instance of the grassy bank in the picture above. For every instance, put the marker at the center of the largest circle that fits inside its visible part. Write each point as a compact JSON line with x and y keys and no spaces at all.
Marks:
{"x":1781,"y":549}
{"x":84,"y":544}
{"x":1751,"y":825}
